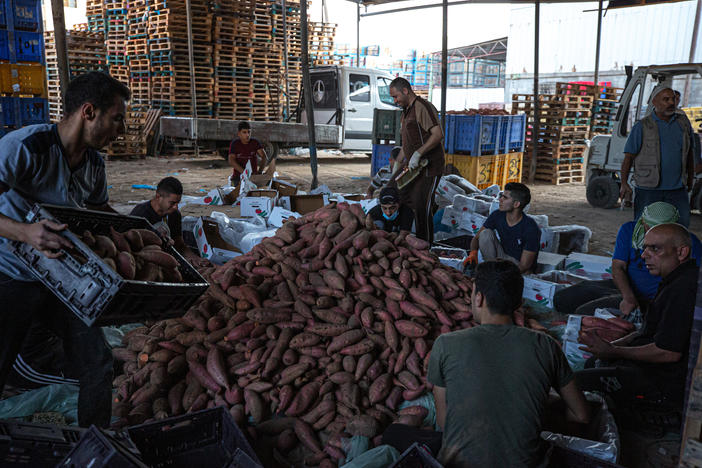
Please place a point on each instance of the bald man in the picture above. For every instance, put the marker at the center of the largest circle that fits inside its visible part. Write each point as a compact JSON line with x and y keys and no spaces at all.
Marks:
{"x":653,"y":361}
{"x":660,"y":147}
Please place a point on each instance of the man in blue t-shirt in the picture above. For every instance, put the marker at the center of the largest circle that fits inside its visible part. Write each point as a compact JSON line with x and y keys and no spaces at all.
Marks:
{"x":507,"y":233}
{"x":632,"y":286}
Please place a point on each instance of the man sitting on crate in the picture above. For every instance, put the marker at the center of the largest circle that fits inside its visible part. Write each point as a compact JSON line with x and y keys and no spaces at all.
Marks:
{"x":491,"y":382}
{"x":58,"y":164}
{"x":245,"y":149}
{"x":651,"y":364}
{"x":508,"y":233}
{"x":422,"y":139}
{"x":632,"y":286}
{"x":389,"y":215}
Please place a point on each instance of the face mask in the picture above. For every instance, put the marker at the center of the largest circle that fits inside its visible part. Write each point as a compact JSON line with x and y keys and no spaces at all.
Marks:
{"x":391,"y":218}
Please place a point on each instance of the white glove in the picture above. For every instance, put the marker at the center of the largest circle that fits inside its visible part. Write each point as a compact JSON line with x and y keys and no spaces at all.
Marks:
{"x":396,"y":167}
{"x":414,"y":160}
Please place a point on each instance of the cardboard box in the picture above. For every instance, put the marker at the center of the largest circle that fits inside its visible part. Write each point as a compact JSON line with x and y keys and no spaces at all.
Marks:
{"x":258,"y":203}
{"x":285,"y":189}
{"x":472,"y":223}
{"x":590,"y":266}
{"x":368,"y":205}
{"x":280,"y":215}
{"x":548,"y":261}
{"x":540,"y":291}
{"x":261,"y":180}
{"x":304,"y":204}
{"x":355,"y":197}
{"x":210,"y":244}
{"x":451,"y":257}
{"x":549,"y":240}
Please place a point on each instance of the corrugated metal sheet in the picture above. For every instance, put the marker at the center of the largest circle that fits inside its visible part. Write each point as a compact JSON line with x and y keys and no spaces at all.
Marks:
{"x":638,"y":36}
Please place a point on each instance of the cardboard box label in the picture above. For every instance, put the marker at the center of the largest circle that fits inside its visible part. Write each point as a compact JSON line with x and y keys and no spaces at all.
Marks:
{"x":210,"y":244}
{"x":280,"y":215}
{"x":256,"y":206}
{"x":592,"y":266}
{"x":540,"y":291}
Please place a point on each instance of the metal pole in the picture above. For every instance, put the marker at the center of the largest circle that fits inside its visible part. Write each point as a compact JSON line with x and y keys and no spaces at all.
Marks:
{"x":193,"y":97}
{"x":358,"y":33}
{"x":60,"y":43}
{"x":307,"y":91}
{"x":693,"y":52}
{"x":444,"y":65}
{"x":285,"y":61}
{"x":597,"y":45}
{"x":537,"y":118}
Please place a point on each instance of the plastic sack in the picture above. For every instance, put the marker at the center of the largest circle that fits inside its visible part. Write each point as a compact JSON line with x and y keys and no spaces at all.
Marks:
{"x":493,"y":190}
{"x":234,"y":230}
{"x":572,"y":238}
{"x":541,"y":220}
{"x":464,"y":184}
{"x":114,"y":335}
{"x":59,"y":398}
{"x":445,"y":191}
{"x":379,"y":457}
{"x":252,"y":239}
{"x":355,"y":446}
{"x":606,"y":448}
{"x":427,"y":401}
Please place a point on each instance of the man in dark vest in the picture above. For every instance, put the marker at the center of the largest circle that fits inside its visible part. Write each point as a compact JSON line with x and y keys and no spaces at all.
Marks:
{"x":422,"y":138}
{"x":660,"y":147}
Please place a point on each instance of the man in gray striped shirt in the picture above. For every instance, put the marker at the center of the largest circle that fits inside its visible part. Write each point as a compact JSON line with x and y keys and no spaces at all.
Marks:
{"x":58,"y":164}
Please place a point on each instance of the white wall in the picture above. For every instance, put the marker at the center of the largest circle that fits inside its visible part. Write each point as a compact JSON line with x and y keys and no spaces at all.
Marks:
{"x":72,"y":15}
{"x":460,"y":99}
{"x":636,"y":36}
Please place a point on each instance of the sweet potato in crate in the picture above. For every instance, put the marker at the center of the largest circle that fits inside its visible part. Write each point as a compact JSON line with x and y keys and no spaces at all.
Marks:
{"x":94,"y":291}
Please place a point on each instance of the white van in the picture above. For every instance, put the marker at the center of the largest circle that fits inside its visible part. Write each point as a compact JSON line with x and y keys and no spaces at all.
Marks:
{"x":346,"y":96}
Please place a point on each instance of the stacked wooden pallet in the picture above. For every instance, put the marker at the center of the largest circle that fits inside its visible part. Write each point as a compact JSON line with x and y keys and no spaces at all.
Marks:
{"x":604,"y":105}
{"x":294,"y":39}
{"x":321,"y":44}
{"x":563,"y":127}
{"x":86,"y":53}
{"x":95,"y":11}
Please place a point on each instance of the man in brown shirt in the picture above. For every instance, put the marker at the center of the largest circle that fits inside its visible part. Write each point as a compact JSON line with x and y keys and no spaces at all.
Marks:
{"x":422,"y":138}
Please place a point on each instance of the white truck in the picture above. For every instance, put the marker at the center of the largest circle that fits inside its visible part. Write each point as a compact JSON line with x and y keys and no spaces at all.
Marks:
{"x":343,"y":100}
{"x":607,"y":151}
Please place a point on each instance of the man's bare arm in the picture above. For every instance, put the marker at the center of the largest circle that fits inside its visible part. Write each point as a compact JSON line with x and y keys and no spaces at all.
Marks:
{"x":527,"y":261}
{"x":440,"y":401}
{"x":621,"y":280}
{"x":434,"y":139}
{"x":576,"y":404}
{"x":626,"y":168}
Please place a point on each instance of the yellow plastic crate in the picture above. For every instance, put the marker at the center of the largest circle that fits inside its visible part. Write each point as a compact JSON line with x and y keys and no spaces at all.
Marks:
{"x":509,"y":168}
{"x":480,"y":171}
{"x":26,"y":79}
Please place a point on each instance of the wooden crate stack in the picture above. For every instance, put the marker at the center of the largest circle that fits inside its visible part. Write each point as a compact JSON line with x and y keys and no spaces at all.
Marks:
{"x":294,"y":36}
{"x":225,"y":24}
{"x":168,"y":48}
{"x":604,"y":109}
{"x":86,"y":53}
{"x":116,"y":38}
{"x":563,"y":127}
{"x":321,"y":44}
{"x":95,"y":11}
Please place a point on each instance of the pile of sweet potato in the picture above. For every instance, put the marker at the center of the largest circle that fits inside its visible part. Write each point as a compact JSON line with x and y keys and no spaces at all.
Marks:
{"x":609,"y":330}
{"x":318,"y":333}
{"x":136,"y":254}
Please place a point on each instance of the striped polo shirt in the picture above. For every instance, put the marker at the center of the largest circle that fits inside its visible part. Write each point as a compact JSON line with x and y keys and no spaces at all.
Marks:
{"x":33,"y":169}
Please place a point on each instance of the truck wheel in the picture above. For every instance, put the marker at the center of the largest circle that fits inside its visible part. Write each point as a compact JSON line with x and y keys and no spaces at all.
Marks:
{"x":602,"y":192}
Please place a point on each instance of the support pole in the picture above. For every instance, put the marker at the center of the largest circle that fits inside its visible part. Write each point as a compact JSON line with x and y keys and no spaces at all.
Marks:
{"x":537,"y":115}
{"x":60,"y":42}
{"x":597,"y":45}
{"x":307,"y":91}
{"x":693,"y":52}
{"x":193,"y":97}
{"x":358,"y":33}
{"x":285,"y":61}
{"x":444,"y":65}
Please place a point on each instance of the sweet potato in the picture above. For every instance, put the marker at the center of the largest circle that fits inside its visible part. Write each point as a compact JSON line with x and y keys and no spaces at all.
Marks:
{"x":363,"y":425}
{"x":307,"y":436}
{"x":268,"y":316}
{"x":416,"y":243}
{"x":292,"y":372}
{"x":254,"y":406}
{"x":191,"y":338}
{"x":327,"y":329}
{"x":360,"y":348}
{"x":304,"y":339}
{"x":216,"y":368}
{"x":304,"y":398}
{"x":423,"y":298}
{"x":380,"y":388}
{"x":105,"y":244}
{"x":160,"y":258}
{"x":148,"y":237}
{"x":410,"y":329}
{"x":203,"y":377}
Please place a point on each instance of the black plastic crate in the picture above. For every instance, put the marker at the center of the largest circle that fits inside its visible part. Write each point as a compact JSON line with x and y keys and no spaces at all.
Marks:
{"x":565,"y":457}
{"x":31,"y":445}
{"x":185,"y":441}
{"x":95,"y":292}
{"x":98,"y":449}
{"x":459,"y":242}
{"x":416,"y":457}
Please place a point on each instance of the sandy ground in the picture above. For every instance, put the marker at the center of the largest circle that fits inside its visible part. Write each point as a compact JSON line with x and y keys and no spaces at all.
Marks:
{"x":564,"y":204}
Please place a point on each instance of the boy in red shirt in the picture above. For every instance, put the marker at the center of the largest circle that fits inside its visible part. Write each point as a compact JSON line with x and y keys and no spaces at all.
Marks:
{"x":244,"y":149}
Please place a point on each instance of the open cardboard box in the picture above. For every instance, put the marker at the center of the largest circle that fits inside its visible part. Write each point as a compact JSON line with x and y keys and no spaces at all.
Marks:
{"x":285,"y":189}
{"x":304,"y":204}
{"x":258,"y":203}
{"x":210,"y":244}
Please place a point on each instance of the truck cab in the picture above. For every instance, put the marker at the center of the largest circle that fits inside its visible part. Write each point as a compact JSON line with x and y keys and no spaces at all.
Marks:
{"x":346,"y":96}
{"x":607,"y":151}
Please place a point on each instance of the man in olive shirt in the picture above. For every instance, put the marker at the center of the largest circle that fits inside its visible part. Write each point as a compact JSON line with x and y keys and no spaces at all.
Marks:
{"x":491,"y":382}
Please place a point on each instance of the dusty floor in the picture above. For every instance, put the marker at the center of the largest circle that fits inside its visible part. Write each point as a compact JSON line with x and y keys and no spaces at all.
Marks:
{"x":565,"y":204}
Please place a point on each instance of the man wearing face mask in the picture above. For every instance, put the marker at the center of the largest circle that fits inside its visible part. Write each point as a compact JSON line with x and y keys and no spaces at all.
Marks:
{"x":660,"y":147}
{"x":390,"y":215}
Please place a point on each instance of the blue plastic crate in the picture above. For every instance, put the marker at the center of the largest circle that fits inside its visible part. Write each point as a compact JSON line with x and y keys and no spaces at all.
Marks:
{"x":3,"y":14}
{"x":475,"y":135}
{"x":29,"y":47}
{"x":512,"y":131}
{"x":4,"y":44}
{"x":380,"y":157}
{"x":33,"y":111}
{"x":8,"y":108}
{"x":27,"y":14}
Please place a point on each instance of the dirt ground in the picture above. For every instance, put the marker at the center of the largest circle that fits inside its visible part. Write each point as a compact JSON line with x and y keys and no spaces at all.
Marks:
{"x":564,"y":204}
